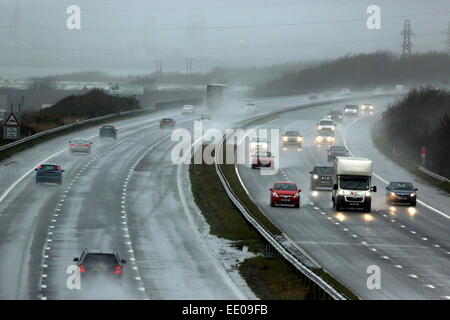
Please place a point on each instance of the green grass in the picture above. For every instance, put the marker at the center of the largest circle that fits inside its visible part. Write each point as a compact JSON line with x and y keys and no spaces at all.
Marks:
{"x":336,"y":284}
{"x":9,"y":152}
{"x":265,"y":276}
{"x":383,"y":144}
{"x":268,"y":277}
{"x":274,"y":279}
{"x":233,"y":180}
{"x":224,"y":219}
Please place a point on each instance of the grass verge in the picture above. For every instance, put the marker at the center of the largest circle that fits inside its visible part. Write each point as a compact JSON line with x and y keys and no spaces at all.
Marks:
{"x":268,"y":277}
{"x":9,"y":152}
{"x":383,"y":144}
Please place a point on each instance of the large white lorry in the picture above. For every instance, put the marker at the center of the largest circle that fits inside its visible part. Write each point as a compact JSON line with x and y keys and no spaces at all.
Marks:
{"x":352,"y":183}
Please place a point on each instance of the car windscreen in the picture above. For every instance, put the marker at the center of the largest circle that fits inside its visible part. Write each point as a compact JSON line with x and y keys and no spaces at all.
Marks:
{"x":354,"y":183}
{"x":285,"y":186}
{"x":78,"y":141}
{"x":93,"y":259}
{"x":292,"y":133}
{"x":48,"y":167}
{"x":324,"y":170}
{"x":402,"y":186}
{"x":351,"y":107}
{"x":338,"y":149}
{"x":326,"y":123}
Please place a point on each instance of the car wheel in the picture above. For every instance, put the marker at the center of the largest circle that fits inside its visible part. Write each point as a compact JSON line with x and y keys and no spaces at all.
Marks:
{"x":253,"y":166}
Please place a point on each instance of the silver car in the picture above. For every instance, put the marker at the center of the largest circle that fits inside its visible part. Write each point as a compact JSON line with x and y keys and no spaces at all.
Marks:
{"x":80,"y":145}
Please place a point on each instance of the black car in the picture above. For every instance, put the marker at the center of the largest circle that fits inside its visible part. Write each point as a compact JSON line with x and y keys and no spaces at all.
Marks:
{"x":107,"y":130}
{"x":401,"y":192}
{"x":336,"y":151}
{"x":321,"y":177}
{"x":336,"y":116}
{"x":167,"y":123}
{"x":98,"y":264}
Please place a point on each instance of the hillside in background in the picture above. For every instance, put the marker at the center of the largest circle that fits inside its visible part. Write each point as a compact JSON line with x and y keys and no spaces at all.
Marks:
{"x":362,"y":71}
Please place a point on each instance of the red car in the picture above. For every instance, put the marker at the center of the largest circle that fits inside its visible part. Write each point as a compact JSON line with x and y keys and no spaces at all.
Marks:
{"x":262,"y":159}
{"x":285,"y":193}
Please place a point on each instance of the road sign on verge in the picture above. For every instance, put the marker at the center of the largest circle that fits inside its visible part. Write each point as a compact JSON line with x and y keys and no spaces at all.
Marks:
{"x":11,"y":133}
{"x":11,"y":121}
{"x":126,"y":89}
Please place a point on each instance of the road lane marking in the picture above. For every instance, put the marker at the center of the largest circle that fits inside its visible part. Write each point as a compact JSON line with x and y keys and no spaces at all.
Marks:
{"x":381,"y":178}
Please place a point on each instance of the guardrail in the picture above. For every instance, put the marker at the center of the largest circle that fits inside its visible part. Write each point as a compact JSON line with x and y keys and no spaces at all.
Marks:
{"x":432,"y":174}
{"x":269,"y":237}
{"x":65,"y":127}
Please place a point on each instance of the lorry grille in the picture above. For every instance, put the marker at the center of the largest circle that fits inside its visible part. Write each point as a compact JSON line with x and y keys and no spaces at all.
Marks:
{"x":354,"y":199}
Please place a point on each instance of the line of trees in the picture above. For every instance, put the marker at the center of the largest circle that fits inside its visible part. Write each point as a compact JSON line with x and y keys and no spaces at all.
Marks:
{"x":362,"y":71}
{"x":421,"y":118}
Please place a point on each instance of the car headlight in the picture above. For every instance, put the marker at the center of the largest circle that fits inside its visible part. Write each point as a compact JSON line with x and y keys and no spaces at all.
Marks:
{"x":316,"y":177}
{"x":367,"y":194}
{"x":285,"y":139}
{"x":296,"y":195}
{"x":275,"y":194}
{"x":363,"y":107}
{"x":299,"y":139}
{"x":371,"y":107}
{"x":413,"y":194}
{"x":328,"y":138}
{"x":340,"y":117}
{"x":341,"y":192}
{"x":393,"y":194}
{"x":319,"y":139}
{"x":319,"y":127}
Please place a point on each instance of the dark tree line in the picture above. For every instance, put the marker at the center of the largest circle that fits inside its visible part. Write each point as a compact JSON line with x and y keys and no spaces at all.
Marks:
{"x":421,"y":118}
{"x":361,"y":71}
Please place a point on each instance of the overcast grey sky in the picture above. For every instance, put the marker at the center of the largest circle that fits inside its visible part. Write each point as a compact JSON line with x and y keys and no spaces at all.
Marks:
{"x":125,"y":37}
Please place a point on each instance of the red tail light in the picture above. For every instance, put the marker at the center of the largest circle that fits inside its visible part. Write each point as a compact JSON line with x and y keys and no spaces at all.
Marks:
{"x":73,"y":144}
{"x":58,"y":168}
{"x":40,"y":167}
{"x":86,"y":145}
{"x":82,"y":268}
{"x":118,"y":270}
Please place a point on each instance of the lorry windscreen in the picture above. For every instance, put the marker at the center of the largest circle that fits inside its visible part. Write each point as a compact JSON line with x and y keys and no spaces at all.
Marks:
{"x":354,"y":183}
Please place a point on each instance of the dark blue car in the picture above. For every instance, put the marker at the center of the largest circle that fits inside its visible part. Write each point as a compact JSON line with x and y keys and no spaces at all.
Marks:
{"x":49,"y":173}
{"x":401,"y":192}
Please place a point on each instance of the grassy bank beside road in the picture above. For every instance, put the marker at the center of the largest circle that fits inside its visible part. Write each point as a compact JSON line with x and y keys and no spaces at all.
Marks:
{"x":268,"y":277}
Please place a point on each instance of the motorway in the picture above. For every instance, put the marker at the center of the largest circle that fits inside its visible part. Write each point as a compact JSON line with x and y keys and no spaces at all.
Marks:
{"x":411,"y":248}
{"x":126,"y":195}
{"x":129,"y":196}
{"x":122,"y":196}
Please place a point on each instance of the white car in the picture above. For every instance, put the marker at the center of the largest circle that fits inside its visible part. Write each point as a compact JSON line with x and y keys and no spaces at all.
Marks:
{"x":326,"y":124}
{"x":367,"y":107}
{"x":187,"y":109}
